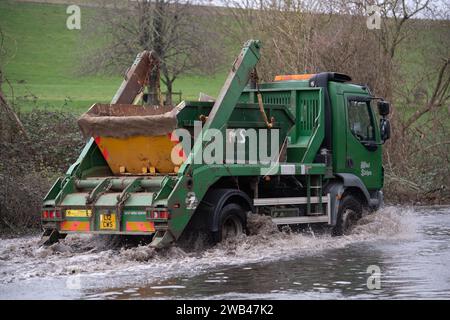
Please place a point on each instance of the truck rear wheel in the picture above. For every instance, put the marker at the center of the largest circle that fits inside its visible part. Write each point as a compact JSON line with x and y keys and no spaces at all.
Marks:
{"x":231,"y":224}
{"x":350,"y":211}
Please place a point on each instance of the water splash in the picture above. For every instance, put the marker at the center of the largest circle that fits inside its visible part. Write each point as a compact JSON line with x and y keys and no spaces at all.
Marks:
{"x":21,"y":259}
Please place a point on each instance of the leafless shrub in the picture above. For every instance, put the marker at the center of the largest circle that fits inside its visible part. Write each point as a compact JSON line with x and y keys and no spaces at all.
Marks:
{"x":30,"y":164}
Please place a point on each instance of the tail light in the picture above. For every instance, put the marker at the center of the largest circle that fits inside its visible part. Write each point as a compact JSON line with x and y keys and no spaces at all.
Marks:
{"x":51,"y":214}
{"x":160,"y":214}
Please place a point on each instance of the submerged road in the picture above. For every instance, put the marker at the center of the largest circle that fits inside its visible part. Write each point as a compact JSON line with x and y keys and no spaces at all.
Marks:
{"x":396,"y":253}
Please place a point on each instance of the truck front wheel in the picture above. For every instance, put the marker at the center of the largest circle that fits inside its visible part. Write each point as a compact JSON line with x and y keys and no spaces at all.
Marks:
{"x":350,"y":211}
{"x":231,"y":224}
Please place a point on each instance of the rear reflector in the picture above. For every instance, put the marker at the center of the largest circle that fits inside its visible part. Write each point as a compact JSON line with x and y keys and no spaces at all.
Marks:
{"x":159,"y":214}
{"x":75,"y":226}
{"x":142,"y":226}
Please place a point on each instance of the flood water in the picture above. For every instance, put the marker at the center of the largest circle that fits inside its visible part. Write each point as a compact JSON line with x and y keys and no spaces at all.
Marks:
{"x":410,"y":247}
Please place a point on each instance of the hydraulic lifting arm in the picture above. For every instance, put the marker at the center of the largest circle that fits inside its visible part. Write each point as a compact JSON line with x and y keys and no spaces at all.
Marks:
{"x":143,"y":72}
{"x":228,"y":97}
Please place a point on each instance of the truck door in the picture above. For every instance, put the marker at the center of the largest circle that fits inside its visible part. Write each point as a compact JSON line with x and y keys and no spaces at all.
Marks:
{"x":363,"y":155}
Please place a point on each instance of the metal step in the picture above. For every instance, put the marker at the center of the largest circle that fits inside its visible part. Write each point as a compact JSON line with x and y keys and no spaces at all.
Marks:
{"x":300,"y":220}
{"x":315,"y":214}
{"x":288,"y":200}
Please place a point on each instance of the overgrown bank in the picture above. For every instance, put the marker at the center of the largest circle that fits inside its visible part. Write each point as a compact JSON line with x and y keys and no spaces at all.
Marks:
{"x":30,"y":163}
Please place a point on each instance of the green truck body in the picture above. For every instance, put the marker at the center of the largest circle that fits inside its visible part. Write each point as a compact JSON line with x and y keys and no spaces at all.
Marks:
{"x":329,"y":165}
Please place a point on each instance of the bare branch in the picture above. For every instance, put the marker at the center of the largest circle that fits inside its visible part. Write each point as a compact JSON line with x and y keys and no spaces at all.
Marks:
{"x":175,"y":30}
{"x":438,"y":97}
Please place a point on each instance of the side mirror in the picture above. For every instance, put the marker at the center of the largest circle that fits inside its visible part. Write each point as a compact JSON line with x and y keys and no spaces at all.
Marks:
{"x":384,"y":108}
{"x":385,"y":129}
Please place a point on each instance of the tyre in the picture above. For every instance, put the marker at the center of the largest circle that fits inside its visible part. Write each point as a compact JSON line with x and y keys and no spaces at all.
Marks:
{"x":349,"y":212}
{"x":231,"y":224}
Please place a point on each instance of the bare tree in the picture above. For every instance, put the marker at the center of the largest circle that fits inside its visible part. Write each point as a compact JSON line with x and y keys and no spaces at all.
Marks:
{"x":398,"y":16}
{"x":174,"y":29}
{"x":308,"y":36}
{"x":2,"y":57}
{"x":439,"y":97}
{"x":11,"y":115}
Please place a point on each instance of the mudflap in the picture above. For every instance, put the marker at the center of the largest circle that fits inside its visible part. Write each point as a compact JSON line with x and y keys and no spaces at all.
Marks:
{"x":50,"y":236}
{"x":162,"y":239}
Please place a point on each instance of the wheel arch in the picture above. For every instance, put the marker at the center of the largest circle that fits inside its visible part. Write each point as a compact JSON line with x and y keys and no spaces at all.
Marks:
{"x":346,"y":183}
{"x":355,"y":186}
{"x":215,"y":199}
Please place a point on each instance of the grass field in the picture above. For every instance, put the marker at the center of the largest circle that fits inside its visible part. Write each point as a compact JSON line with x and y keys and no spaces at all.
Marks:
{"x":43,"y":57}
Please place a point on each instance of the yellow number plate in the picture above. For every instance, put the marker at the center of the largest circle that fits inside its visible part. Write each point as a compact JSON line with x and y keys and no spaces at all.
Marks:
{"x":78,"y":213}
{"x":108,"y":221}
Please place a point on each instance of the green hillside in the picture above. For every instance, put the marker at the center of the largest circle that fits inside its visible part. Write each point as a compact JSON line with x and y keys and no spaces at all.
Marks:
{"x":43,"y":58}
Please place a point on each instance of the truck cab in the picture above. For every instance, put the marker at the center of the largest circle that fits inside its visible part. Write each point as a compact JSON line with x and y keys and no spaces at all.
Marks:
{"x":356,"y":135}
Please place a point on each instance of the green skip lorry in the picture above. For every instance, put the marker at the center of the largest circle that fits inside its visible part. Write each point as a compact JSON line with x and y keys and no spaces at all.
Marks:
{"x":303,"y":149}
